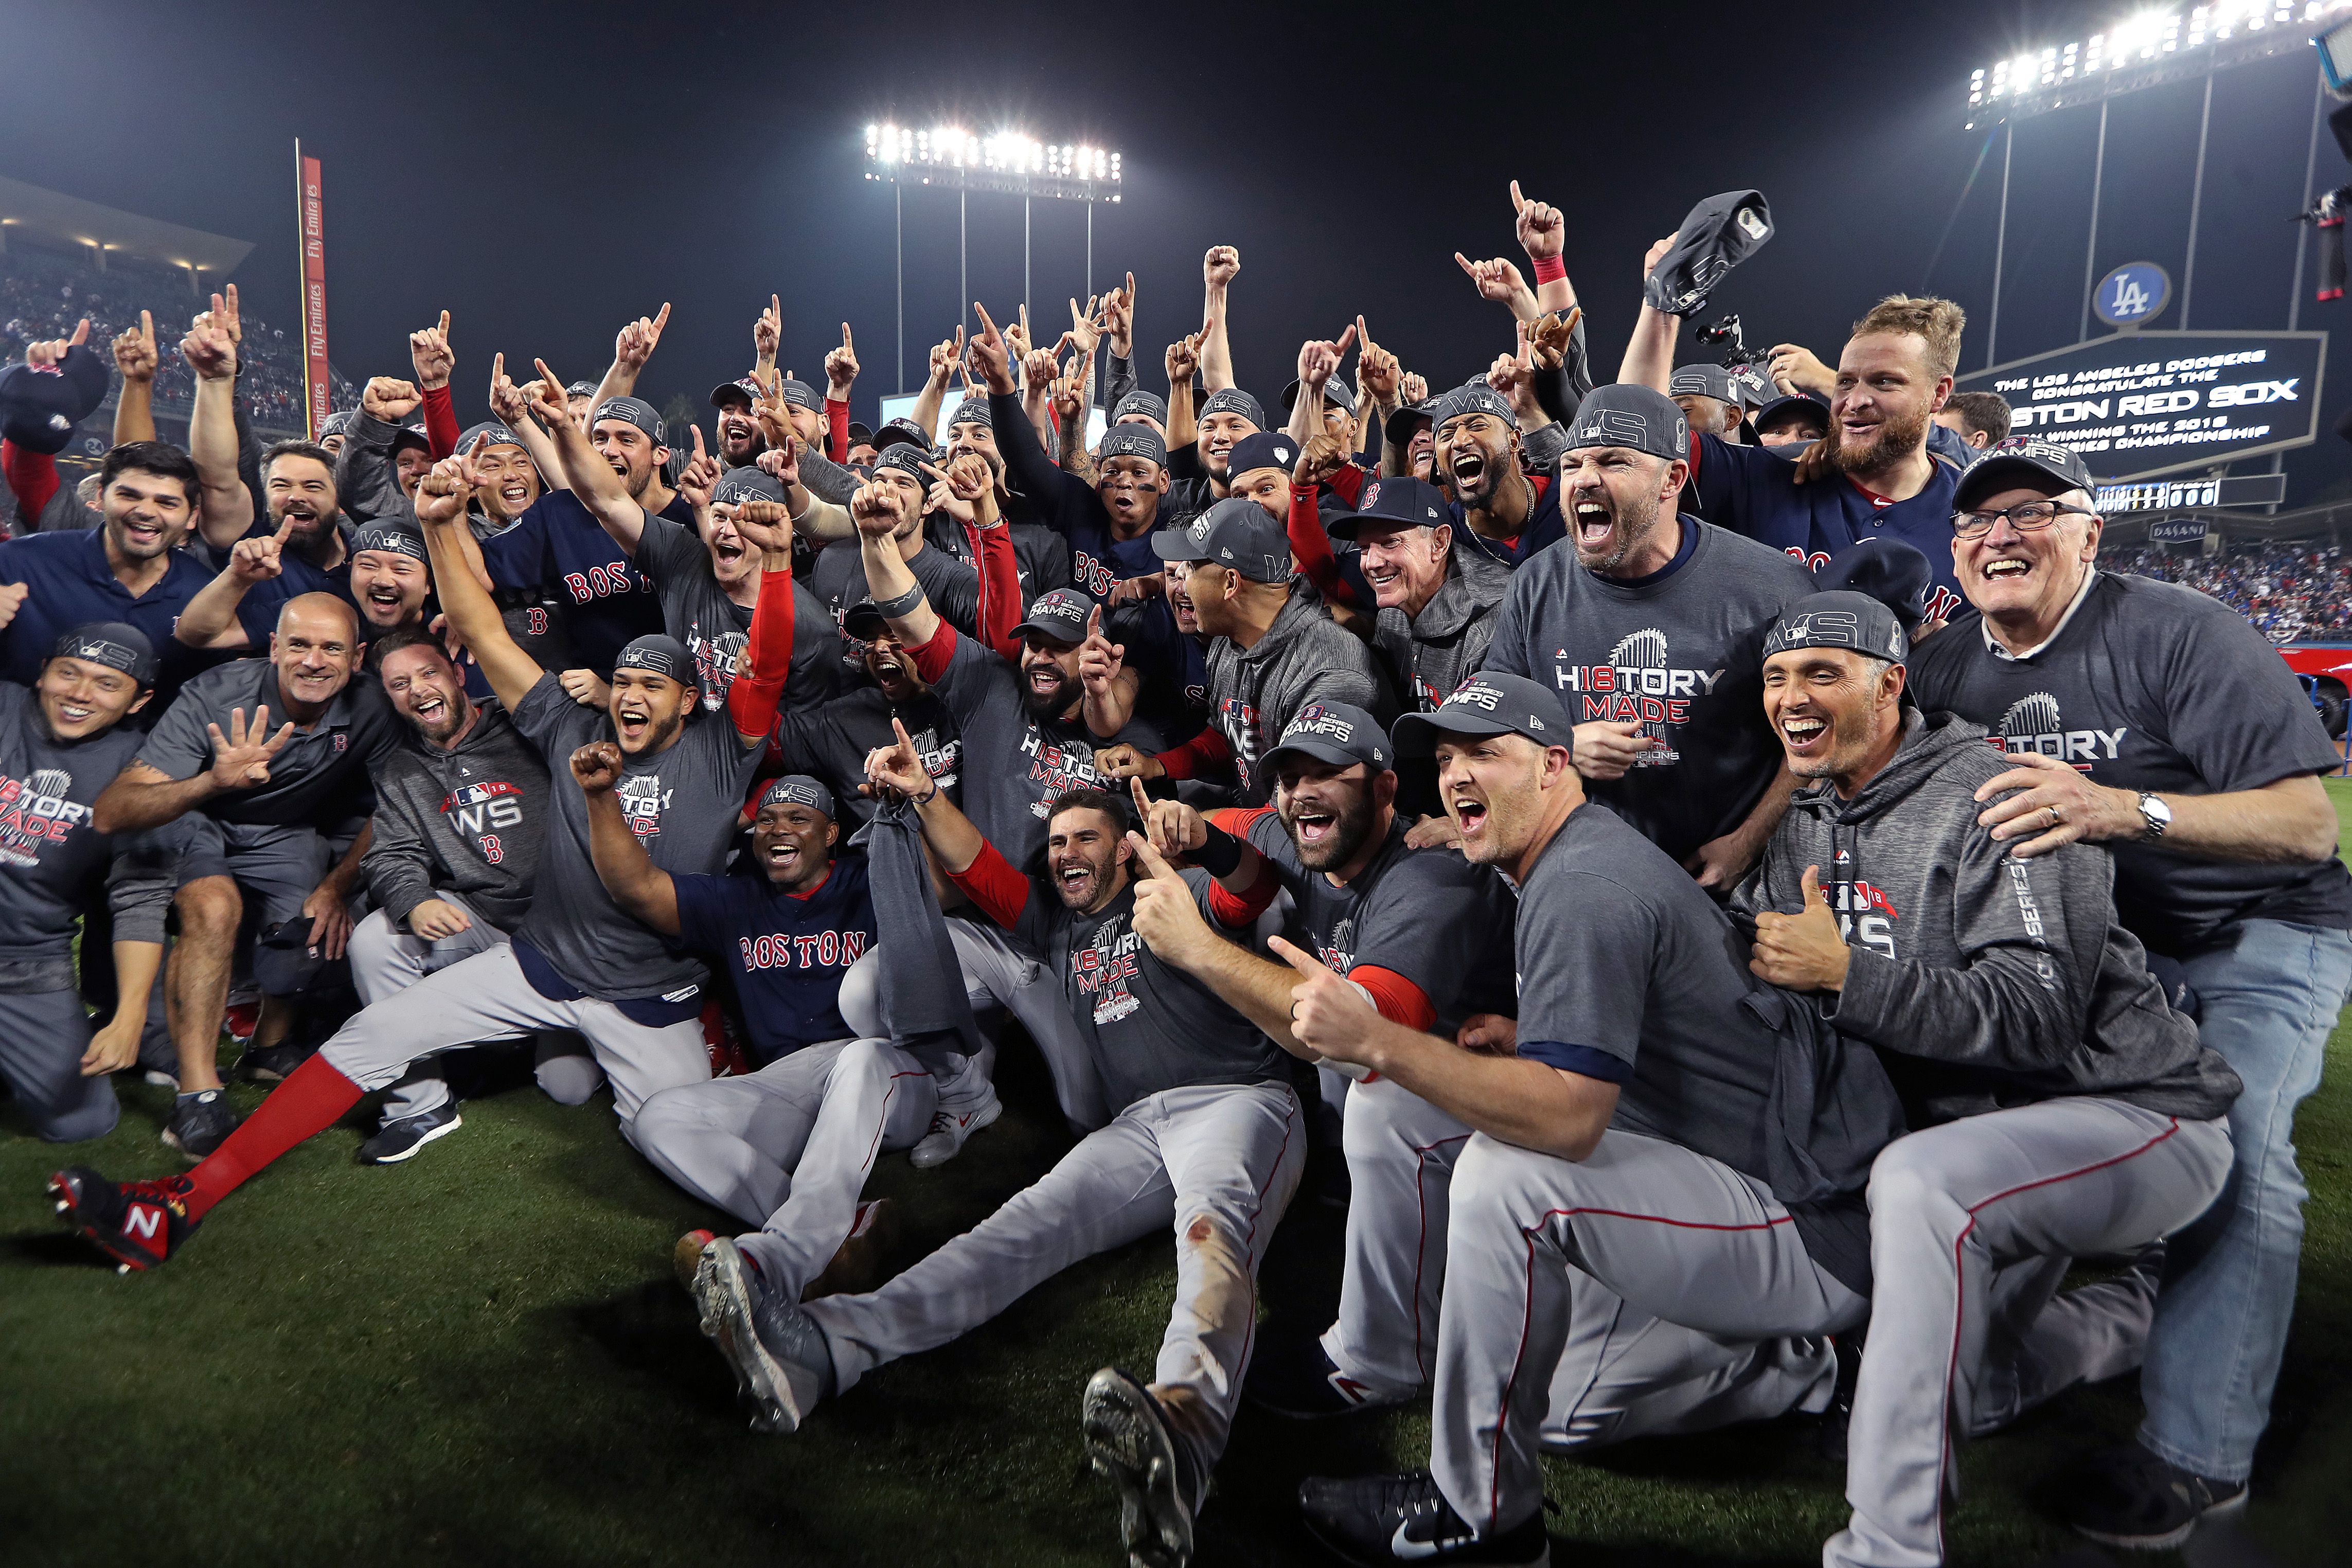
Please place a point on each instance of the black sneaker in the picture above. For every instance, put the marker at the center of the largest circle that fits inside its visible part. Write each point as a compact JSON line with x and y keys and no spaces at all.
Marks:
{"x":199,"y":1123}
{"x":1829,"y":1438}
{"x":2131,"y":1499}
{"x":1129,"y":1443}
{"x":273,"y":1064}
{"x":1405,"y":1518}
{"x":400,"y":1138}
{"x":1298,"y":1380}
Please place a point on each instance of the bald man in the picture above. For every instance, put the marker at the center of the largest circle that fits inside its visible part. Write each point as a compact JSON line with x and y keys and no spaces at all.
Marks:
{"x":268,"y":760}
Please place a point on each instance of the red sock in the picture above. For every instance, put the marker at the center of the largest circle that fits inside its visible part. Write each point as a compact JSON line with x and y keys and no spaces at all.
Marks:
{"x":313,"y":1096}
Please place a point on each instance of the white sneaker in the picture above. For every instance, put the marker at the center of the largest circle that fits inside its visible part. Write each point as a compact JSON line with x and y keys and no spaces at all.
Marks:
{"x":950,"y":1128}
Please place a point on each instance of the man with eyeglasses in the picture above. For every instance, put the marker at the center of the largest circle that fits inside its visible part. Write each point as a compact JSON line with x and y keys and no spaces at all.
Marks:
{"x":2152,"y":719}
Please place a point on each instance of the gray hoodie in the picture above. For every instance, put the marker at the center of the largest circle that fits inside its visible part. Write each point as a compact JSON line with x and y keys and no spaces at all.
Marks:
{"x":1432,"y":653}
{"x":1985,"y":981}
{"x":468,"y":820}
{"x":1304,"y":657}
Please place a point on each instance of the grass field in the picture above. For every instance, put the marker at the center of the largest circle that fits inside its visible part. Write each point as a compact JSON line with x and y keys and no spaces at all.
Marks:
{"x":480,"y":1357}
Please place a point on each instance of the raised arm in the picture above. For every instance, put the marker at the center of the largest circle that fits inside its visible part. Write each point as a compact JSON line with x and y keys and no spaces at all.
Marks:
{"x":1183,"y":358}
{"x":1318,"y":361}
{"x":1218,"y":271}
{"x":1650,"y":353}
{"x":441,"y":511}
{"x":632,"y":346}
{"x":768,"y":668}
{"x":879,"y":511}
{"x":1543,"y":230}
{"x":628,"y":873}
{"x":134,"y":357}
{"x":598,"y":488}
{"x":946,"y":355}
{"x":512,"y":404}
{"x":210,"y":349}
{"x":210,"y":619}
{"x":430,"y":356}
{"x":950,"y":834}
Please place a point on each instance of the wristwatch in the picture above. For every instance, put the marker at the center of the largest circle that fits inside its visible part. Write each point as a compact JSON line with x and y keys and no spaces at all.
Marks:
{"x":2156,"y":813}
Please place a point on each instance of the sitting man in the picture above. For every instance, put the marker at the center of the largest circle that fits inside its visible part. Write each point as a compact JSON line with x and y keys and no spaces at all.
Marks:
{"x":1638,"y":1194}
{"x":1208,"y":1140}
{"x":2059,"y":1106}
{"x":579,"y":961}
{"x":61,"y":742}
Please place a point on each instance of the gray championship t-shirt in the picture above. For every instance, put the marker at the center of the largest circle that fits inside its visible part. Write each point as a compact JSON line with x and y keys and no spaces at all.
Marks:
{"x":696,"y":611}
{"x":831,"y":740}
{"x":318,"y":778}
{"x":683,"y":804}
{"x":1678,"y":653}
{"x":2152,"y":686}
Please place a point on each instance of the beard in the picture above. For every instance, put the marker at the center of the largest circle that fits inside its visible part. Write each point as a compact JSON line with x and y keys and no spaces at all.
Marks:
{"x":1898,"y":436}
{"x":1351,"y":825}
{"x":1050,"y":704}
{"x":1636,"y":521}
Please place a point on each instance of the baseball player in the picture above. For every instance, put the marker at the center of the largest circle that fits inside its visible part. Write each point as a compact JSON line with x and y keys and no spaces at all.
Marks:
{"x":1414,"y":931}
{"x":386,"y":579}
{"x":1647,"y":626}
{"x":461,"y":810}
{"x":1209,"y":1138}
{"x":2152,"y":719}
{"x":281,"y":816}
{"x":578,"y":961}
{"x":60,"y":742}
{"x":2058,"y":1105}
{"x":1633,"y":1181}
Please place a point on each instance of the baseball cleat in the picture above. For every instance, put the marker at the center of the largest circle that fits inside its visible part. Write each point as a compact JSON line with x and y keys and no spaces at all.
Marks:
{"x":400,"y":1139}
{"x":1129,"y":1441}
{"x":1372,"y":1520}
{"x":200,"y":1124}
{"x":781,"y":1365}
{"x":272,"y":1064}
{"x":857,"y":1267}
{"x":1302,"y":1383}
{"x":950,"y":1128}
{"x":2131,"y":1499}
{"x":137,"y":1224}
{"x":686,"y":1257}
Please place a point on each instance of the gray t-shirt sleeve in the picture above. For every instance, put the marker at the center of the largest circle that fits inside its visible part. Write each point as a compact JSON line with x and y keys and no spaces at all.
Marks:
{"x":1507,"y":650}
{"x":1584,"y":948}
{"x":180,"y":746}
{"x":552,"y":721}
{"x":667,"y":551}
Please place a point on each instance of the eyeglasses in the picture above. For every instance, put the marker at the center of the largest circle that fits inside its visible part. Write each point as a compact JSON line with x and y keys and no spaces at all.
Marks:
{"x":2027,"y":516}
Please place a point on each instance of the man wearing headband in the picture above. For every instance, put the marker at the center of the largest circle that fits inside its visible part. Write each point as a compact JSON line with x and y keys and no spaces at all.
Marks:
{"x":2058,"y":1106}
{"x":1207,"y":1142}
{"x":1637,"y":1214}
{"x":707,"y":572}
{"x":832,"y":740}
{"x":1497,"y":508}
{"x":62,"y":741}
{"x":461,"y":810}
{"x":787,"y":1150}
{"x":2150,"y":719}
{"x":1200,"y":447}
{"x":1415,"y":932}
{"x":269,"y":759}
{"x":388,"y":582}
{"x":578,"y":962}
{"x":1646,"y":623}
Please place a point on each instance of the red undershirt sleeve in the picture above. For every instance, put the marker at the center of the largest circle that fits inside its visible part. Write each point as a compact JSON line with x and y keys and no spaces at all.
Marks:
{"x":33,"y":476}
{"x":440,"y":423}
{"x":991,"y":881}
{"x":1206,"y":750}
{"x":931,"y":657}
{"x":1312,"y":547}
{"x":836,"y":430}
{"x":1233,"y":910}
{"x":1001,"y":609}
{"x":1348,"y":484}
{"x":1400,"y":1000}
{"x":751,"y":700}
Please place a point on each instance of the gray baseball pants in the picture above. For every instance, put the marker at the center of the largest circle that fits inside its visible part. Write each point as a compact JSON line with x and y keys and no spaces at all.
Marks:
{"x":787,"y":1148}
{"x":1216,"y":1163}
{"x":1951,"y":1209}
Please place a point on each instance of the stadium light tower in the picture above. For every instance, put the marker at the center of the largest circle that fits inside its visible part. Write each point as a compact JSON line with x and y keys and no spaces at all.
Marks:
{"x":1009,"y":163}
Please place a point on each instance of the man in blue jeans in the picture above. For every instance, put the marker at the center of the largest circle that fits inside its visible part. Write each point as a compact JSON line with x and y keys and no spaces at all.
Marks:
{"x":2151,"y":719}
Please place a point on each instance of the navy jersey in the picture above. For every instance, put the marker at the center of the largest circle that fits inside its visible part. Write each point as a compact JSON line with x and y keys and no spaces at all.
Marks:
{"x":1544,"y":528}
{"x":72,"y":586}
{"x":787,"y":951}
{"x":559,"y":545}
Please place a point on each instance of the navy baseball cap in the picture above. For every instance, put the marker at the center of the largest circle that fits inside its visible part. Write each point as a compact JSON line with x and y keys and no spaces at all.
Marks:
{"x":1236,"y":532}
{"x":1488,"y":703}
{"x":1147,"y":404}
{"x":411,"y":436}
{"x":1135,"y":441}
{"x":859,"y":435}
{"x":1400,"y":501}
{"x":1262,"y":449}
{"x":1406,"y":422}
{"x":801,"y":395}
{"x":865,"y":621}
{"x":659,"y":653}
{"x":39,"y":406}
{"x":907,"y":458}
{"x":1338,"y":733}
{"x":1233,"y":400}
{"x":1471,"y":397}
{"x":1061,"y":615}
{"x":633,"y":411}
{"x":114,"y":643}
{"x":391,"y":537}
{"x":973,"y":410}
{"x":1627,"y":413}
{"x":1889,"y":571}
{"x":1338,"y":391}
{"x":2024,"y":460}
{"x":1704,"y":380}
{"x":742,"y":390}
{"x":498,"y":433}
{"x":899,"y":432}
{"x":1719,"y":234}
{"x":1756,"y":388}
{"x":749,"y":482}
{"x":1843,"y":619}
{"x":1795,"y":406}
{"x":799,"y":789}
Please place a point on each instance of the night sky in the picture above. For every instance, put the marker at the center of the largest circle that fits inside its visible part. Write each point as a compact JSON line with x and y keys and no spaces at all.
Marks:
{"x":545,"y":172}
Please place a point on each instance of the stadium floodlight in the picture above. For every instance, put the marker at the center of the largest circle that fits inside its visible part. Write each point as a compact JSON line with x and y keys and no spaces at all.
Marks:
{"x":2146,"y":49}
{"x":1009,"y":162}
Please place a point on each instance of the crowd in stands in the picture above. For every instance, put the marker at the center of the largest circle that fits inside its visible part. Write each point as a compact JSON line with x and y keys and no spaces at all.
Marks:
{"x":2293,"y":592}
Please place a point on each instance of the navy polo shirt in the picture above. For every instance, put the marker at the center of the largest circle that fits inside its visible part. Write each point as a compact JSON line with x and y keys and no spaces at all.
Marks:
{"x":72,"y":586}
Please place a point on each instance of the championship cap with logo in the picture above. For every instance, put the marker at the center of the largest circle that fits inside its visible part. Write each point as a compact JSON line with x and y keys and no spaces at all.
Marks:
{"x":1489,"y":703}
{"x":1236,"y":532}
{"x":2023,"y":461}
{"x":1841,"y":619}
{"x":1626,"y":414}
{"x":1338,"y":733}
{"x":1719,"y":233}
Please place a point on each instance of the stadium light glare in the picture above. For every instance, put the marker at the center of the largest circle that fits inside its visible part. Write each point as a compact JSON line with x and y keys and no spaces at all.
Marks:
{"x":1010,"y":160}
{"x":2145,"y":48}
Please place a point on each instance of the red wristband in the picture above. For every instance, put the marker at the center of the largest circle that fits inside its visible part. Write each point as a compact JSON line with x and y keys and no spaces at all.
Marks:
{"x":1549,"y":269}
